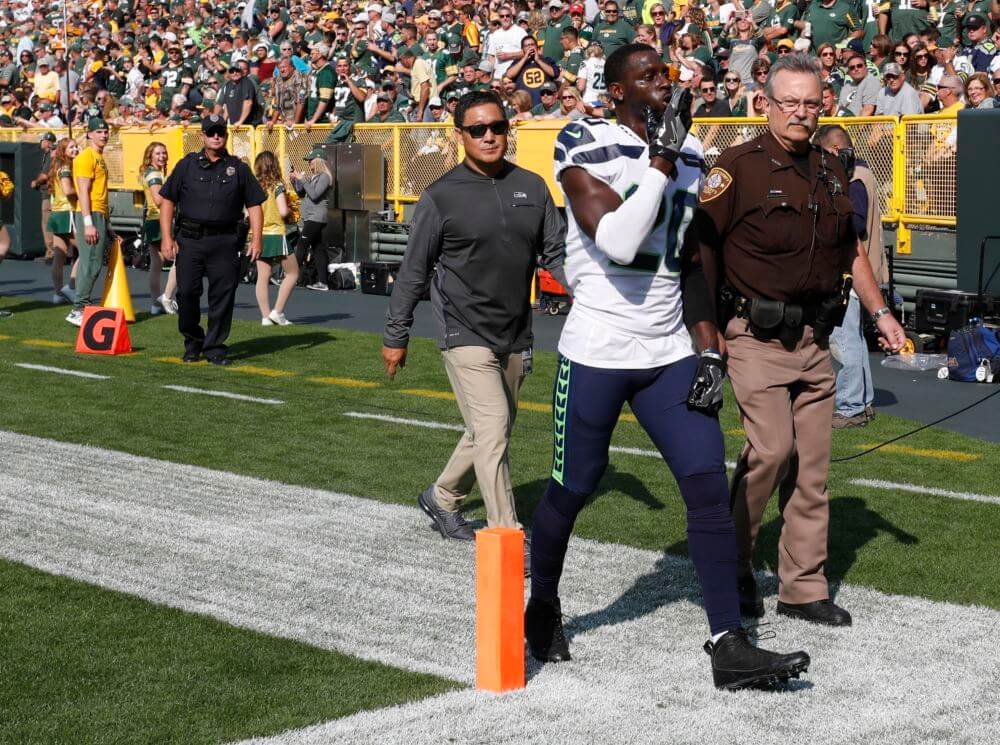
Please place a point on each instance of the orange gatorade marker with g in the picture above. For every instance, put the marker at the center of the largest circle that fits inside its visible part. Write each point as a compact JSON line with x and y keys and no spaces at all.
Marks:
{"x":499,"y":609}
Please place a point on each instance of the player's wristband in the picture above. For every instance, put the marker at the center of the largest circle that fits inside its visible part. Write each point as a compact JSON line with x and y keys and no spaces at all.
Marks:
{"x":88,"y":221}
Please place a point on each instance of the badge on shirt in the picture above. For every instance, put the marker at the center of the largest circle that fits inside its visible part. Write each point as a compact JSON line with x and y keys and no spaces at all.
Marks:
{"x":716,"y":183}
{"x":230,"y":171}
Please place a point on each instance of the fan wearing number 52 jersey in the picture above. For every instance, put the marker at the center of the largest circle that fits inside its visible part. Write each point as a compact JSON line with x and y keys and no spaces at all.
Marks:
{"x":631,"y":190}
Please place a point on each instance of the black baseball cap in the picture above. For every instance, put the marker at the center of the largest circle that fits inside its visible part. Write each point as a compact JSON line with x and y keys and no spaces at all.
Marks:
{"x":213,"y":123}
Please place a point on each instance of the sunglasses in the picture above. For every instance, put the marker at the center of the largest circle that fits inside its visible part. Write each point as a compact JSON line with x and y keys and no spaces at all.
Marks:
{"x":506,"y":15}
{"x":901,"y":54}
{"x":568,"y":98}
{"x":216,"y":133}
{"x":860,"y":66}
{"x":827,"y":53}
{"x":546,"y":93}
{"x":922,"y":55}
{"x":783,"y":50}
{"x":708,"y":90}
{"x":996,"y":81}
{"x":478,"y":131}
{"x":732,"y":80}
{"x":657,"y":13}
{"x":890,"y":76}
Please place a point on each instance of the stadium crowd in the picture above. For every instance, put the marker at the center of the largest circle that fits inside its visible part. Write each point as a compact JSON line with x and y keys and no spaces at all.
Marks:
{"x":137,"y":62}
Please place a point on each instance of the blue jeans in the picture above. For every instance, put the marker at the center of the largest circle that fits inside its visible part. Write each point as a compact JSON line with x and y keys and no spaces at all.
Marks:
{"x":854,"y":378}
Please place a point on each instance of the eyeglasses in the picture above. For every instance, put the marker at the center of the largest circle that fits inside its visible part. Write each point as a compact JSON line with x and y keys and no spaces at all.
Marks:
{"x":789,"y":106}
{"x":478,"y":131}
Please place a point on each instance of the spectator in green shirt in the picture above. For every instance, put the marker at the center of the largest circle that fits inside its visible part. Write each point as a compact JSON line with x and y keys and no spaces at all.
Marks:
{"x":831,"y":21}
{"x":550,"y":35}
{"x":612,"y":31}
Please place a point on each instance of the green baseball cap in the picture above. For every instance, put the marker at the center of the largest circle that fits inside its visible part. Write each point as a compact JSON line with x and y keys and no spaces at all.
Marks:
{"x":95,"y":123}
{"x":314,"y":153}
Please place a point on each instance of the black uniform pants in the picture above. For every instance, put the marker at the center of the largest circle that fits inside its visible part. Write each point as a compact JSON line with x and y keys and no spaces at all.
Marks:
{"x":218,"y":258}
{"x":311,"y":241}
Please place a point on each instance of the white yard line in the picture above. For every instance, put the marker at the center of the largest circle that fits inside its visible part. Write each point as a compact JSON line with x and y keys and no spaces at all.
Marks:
{"x":429,"y":424}
{"x":372,"y":580}
{"x":930,"y":490}
{"x":410,"y":422}
{"x":223,"y":394}
{"x":62,"y":371}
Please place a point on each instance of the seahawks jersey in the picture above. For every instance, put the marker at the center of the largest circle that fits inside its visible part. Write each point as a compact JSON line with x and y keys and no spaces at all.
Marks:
{"x":626,"y":316}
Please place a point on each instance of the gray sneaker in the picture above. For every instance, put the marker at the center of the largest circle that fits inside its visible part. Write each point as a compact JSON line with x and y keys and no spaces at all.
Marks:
{"x":448,"y":524}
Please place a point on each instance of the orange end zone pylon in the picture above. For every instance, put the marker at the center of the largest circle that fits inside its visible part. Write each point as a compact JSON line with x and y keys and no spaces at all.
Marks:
{"x":499,"y":609}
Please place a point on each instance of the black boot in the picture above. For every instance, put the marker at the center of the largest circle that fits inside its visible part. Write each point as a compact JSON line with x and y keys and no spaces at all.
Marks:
{"x":736,"y":663}
{"x":543,"y":630}
{"x":825,"y":612}
{"x":751,"y":604}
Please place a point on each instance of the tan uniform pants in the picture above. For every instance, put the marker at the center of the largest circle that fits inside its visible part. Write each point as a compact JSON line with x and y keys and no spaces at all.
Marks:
{"x":786,"y":398}
{"x":486,"y":387}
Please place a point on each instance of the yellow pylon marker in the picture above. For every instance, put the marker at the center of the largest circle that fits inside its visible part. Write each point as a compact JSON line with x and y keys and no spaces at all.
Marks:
{"x":116,"y":294}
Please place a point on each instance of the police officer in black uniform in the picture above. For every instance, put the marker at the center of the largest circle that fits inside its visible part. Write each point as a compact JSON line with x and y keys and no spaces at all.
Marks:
{"x":209,"y":188}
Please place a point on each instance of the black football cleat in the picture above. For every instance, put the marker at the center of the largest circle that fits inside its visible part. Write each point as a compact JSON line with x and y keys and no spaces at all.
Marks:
{"x":825,"y":612}
{"x":738,"y":664}
{"x":543,"y":630}
{"x":751,"y":605}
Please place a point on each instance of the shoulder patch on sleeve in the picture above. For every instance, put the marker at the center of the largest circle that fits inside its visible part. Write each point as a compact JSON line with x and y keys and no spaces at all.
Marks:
{"x":716,"y":183}
{"x":574,"y":135}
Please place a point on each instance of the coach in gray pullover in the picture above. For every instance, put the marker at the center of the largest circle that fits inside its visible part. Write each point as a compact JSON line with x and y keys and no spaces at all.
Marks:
{"x":477,"y":235}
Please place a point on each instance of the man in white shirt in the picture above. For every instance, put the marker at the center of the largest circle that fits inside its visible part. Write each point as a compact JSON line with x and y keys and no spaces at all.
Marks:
{"x":504,"y":45}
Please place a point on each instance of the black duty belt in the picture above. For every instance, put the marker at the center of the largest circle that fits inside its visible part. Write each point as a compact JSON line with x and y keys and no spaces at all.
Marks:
{"x":200,"y":230}
{"x":775,"y":319}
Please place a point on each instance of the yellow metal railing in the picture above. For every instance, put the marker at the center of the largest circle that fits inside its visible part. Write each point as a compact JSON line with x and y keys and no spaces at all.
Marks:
{"x":913,"y":159}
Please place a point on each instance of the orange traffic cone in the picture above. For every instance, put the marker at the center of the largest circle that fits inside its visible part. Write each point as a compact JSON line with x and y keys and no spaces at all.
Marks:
{"x":116,"y":294}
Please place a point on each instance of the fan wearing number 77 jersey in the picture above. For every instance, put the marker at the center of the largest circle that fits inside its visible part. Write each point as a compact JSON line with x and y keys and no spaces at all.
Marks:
{"x":630,"y":189}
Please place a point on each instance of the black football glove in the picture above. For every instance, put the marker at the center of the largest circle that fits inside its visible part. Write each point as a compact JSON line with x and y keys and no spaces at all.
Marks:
{"x":666,"y":132}
{"x":705,"y":393}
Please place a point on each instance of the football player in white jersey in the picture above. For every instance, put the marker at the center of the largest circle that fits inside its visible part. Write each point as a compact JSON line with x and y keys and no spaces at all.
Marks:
{"x":630,"y":189}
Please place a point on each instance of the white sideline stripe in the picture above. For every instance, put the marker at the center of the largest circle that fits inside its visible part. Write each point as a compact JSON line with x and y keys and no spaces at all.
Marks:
{"x":371,"y":580}
{"x":933,"y":491}
{"x":223,"y":394}
{"x":62,"y":371}
{"x":411,"y":422}
{"x":459,"y":428}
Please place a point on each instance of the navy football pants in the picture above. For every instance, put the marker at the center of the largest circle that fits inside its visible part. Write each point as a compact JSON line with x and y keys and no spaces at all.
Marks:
{"x":586,"y":405}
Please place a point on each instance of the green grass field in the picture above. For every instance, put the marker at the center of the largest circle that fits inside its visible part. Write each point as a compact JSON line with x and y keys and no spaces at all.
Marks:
{"x":893,"y":541}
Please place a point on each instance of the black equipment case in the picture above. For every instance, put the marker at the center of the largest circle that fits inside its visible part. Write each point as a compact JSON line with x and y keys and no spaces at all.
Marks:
{"x":377,"y":277}
{"x":943,"y":311}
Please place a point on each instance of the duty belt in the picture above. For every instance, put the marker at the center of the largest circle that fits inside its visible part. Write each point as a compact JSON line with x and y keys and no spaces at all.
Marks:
{"x":195,"y":229}
{"x":776,"y":319}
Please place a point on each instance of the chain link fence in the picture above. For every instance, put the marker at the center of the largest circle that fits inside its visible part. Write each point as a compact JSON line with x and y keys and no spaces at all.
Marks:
{"x":928,"y":179}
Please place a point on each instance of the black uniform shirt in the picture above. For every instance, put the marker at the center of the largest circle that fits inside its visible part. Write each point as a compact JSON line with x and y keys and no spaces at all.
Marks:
{"x":210,"y":193}
{"x":784,"y":230}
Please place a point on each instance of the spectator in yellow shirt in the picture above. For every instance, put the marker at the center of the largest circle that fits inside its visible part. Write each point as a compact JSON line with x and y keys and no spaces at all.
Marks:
{"x":46,"y":80}
{"x":93,"y":230}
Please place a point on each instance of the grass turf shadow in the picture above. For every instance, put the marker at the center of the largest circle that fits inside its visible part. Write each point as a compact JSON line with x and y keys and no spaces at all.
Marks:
{"x":265,"y":345}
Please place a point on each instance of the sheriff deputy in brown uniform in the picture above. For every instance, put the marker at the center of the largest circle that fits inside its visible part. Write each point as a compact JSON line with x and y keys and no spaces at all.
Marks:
{"x":771,"y":255}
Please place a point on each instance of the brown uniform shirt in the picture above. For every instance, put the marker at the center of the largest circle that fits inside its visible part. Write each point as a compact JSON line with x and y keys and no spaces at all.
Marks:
{"x":780,"y":235}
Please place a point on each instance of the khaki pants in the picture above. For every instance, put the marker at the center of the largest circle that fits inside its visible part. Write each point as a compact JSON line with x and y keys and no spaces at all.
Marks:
{"x":786,"y":398}
{"x":46,"y":235}
{"x":486,"y":387}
